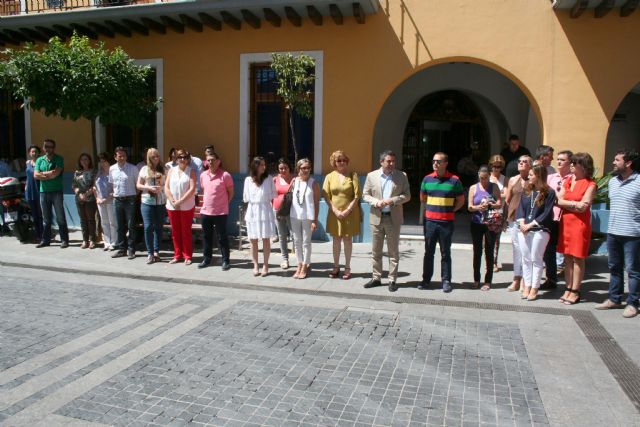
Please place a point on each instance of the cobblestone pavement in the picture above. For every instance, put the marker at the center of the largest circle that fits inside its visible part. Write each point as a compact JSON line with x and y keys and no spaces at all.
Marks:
{"x":93,"y":351}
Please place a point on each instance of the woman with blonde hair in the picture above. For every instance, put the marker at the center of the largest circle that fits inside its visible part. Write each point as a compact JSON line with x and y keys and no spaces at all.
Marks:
{"x":496,"y":163}
{"x":151,"y":184}
{"x":304,"y":215}
{"x":258,"y":192}
{"x":179,"y":187}
{"x":341,"y":191}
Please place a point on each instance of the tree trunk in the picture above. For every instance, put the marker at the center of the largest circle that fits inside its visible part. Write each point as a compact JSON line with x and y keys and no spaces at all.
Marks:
{"x":94,"y":141}
{"x":293,"y":136}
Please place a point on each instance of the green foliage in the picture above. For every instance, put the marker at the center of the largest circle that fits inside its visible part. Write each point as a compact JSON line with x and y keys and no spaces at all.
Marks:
{"x":602,"y":189}
{"x":74,"y":80}
{"x":295,"y":76}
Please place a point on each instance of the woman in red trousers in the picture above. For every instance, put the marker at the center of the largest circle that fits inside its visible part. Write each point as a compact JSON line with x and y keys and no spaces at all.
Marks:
{"x":180,"y":188}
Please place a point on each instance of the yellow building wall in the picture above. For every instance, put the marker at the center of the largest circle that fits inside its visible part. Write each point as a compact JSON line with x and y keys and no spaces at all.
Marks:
{"x":574,"y":71}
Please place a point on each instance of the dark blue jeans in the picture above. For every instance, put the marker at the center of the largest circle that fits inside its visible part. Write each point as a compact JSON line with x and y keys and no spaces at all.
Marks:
{"x":36,"y":213}
{"x":220,"y":224}
{"x":125,"y":220}
{"x":439,"y":232}
{"x":49,"y":201}
{"x":153,"y":219}
{"x":623,"y":253}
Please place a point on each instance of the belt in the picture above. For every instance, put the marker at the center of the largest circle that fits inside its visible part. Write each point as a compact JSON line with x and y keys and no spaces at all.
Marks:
{"x":124,"y":197}
{"x":385,"y":213}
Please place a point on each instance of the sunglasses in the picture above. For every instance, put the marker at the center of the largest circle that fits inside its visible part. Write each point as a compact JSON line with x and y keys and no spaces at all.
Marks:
{"x":437,"y":161}
{"x":183,"y":157}
{"x":341,"y":160}
{"x":496,"y":166}
{"x":48,"y":146}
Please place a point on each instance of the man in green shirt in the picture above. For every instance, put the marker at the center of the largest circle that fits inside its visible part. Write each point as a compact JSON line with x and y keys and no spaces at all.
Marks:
{"x":48,"y":170}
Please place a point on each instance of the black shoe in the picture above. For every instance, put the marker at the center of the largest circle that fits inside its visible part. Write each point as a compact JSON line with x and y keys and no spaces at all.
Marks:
{"x":372,"y":283}
{"x":226,"y":266}
{"x":424,"y":285}
{"x":131,"y":254}
{"x":446,"y":287}
{"x":118,"y":254}
{"x":205,"y":263}
{"x":393,"y":286}
{"x":64,"y":245}
{"x":549,"y":284}
{"x":42,"y":245}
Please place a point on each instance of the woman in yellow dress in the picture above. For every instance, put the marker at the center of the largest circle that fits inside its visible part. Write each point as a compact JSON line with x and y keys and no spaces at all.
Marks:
{"x":341,"y":191}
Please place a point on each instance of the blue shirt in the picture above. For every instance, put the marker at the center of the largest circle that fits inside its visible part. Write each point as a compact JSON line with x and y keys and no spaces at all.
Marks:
{"x":104,"y":187}
{"x":32,"y":189}
{"x":123,"y":179}
{"x":386,"y":184}
{"x":624,"y":197}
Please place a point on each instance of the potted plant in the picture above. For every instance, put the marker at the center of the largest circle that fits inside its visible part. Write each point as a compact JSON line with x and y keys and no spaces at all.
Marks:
{"x":600,"y":206}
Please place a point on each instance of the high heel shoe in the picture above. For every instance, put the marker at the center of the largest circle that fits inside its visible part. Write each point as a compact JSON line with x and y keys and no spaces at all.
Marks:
{"x":514,"y":286}
{"x":265,"y":271}
{"x":256,"y":271}
{"x":533,"y":295}
{"x":525,"y":292}
{"x":567,"y":291}
{"x":335,"y":273}
{"x":347,"y":273}
{"x":567,"y":301}
{"x":303,"y":272}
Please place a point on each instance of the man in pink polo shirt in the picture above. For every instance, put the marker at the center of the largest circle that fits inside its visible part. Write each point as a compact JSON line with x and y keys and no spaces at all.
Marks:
{"x":552,"y":260}
{"x":217,"y":190}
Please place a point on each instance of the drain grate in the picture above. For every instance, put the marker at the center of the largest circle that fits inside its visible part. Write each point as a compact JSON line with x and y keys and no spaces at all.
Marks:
{"x":621,"y":367}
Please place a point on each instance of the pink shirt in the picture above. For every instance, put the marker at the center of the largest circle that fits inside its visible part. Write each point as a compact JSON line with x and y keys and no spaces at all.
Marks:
{"x":555,"y":181}
{"x":214,"y":189}
{"x":281,"y":188}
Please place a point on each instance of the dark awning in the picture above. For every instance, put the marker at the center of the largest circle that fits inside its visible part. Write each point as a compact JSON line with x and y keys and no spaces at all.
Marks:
{"x":600,"y":7}
{"x":40,"y":20}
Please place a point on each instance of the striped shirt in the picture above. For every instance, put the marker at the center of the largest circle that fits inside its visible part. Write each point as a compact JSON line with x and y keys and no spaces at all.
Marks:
{"x":441,"y":195}
{"x":624,"y":218}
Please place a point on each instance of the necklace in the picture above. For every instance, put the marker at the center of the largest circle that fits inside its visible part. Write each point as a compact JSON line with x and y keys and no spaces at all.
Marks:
{"x":301,"y":201}
{"x":533,"y":200}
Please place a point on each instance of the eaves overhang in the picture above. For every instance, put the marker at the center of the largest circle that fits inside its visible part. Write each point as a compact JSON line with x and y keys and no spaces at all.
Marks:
{"x":600,"y":8}
{"x":177,"y":16}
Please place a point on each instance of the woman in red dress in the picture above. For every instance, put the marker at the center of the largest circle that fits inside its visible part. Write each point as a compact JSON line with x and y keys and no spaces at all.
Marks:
{"x":575,"y":199}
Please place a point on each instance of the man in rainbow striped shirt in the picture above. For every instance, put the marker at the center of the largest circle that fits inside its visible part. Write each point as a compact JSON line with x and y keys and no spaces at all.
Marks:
{"x":442,"y":193}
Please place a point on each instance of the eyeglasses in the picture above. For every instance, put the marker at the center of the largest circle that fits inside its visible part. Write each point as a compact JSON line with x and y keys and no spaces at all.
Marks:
{"x":437,"y":161}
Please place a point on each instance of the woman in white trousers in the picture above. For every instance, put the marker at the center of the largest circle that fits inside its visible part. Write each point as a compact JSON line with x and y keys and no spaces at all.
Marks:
{"x":534,"y":217}
{"x":304,"y":215}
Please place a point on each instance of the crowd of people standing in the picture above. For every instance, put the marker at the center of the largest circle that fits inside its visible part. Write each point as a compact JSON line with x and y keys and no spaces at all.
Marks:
{"x":545,"y":210}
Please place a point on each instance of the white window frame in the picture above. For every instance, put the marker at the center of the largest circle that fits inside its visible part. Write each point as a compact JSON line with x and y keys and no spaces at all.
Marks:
{"x":246,"y":60}
{"x":158,"y":65}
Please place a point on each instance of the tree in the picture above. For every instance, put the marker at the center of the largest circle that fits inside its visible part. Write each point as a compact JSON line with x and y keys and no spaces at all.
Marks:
{"x":74,"y":80}
{"x":295,"y":76}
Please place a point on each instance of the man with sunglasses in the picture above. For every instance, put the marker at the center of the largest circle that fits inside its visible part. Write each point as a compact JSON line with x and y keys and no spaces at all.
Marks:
{"x":443,"y":195}
{"x":48,"y":170}
{"x":553,"y":261}
{"x":511,"y":154}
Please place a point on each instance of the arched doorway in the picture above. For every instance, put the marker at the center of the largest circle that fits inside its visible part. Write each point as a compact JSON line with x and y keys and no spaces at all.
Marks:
{"x":447,"y":121}
{"x":624,"y":130}
{"x":457,"y":103}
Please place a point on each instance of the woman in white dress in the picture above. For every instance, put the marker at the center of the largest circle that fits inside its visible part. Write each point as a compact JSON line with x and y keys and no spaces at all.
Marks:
{"x":258,"y":192}
{"x":496,"y":162}
{"x":304,"y":215}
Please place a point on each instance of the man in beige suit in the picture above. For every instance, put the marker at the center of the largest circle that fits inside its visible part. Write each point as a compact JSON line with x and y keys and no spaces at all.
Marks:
{"x":386,"y":189}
